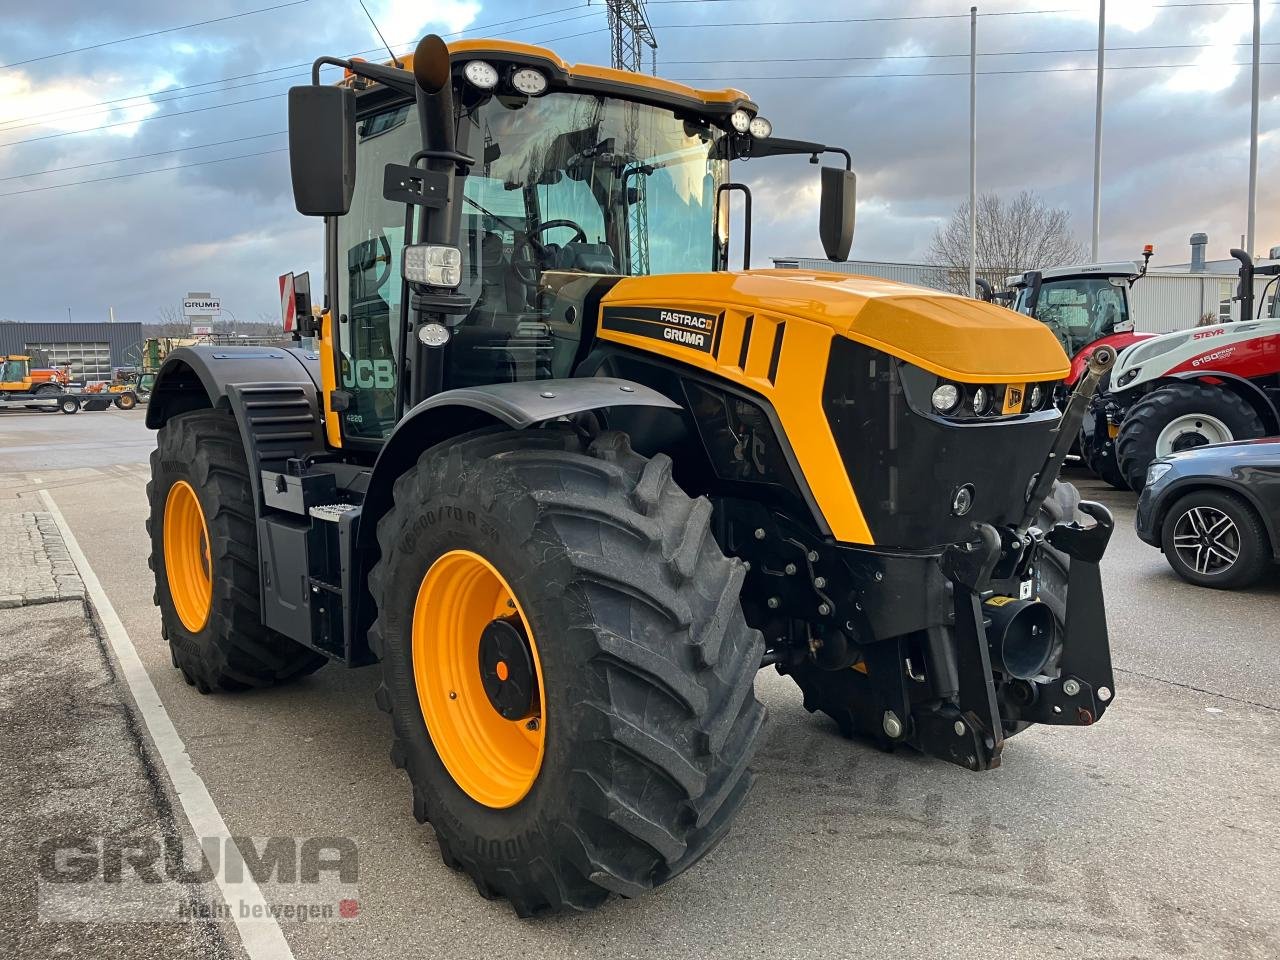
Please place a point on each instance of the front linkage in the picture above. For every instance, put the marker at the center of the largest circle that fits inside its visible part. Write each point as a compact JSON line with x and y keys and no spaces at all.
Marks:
{"x":950,"y":652}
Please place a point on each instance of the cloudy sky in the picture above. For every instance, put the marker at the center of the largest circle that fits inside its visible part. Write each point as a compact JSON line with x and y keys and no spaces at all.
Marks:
{"x":854,"y":72}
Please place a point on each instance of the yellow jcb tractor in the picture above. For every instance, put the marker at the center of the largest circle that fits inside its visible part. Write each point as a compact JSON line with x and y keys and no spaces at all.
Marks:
{"x":569,"y":480}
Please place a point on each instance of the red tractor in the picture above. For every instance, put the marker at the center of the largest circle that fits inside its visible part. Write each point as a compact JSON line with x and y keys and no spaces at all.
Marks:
{"x":1195,"y":387}
{"x":1086,"y":306}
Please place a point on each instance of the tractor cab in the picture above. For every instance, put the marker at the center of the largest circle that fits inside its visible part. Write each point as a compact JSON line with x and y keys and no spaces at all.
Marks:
{"x":1080,"y":304}
{"x":15,"y":370}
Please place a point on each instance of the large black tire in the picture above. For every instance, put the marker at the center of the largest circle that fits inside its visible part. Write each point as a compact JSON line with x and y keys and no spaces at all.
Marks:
{"x":126,"y":401}
{"x":1136,"y":444}
{"x":848,"y":696}
{"x":1247,"y":538}
{"x":1099,"y":454}
{"x":647,"y":663}
{"x":47,"y":389}
{"x":233,"y":651}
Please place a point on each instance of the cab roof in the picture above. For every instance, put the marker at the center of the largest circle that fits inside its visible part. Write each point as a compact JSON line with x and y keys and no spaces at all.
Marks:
{"x":590,"y":78}
{"x":1117,"y":268}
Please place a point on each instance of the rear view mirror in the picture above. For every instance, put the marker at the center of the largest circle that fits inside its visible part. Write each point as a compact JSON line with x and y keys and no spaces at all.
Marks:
{"x":322,"y":149}
{"x":836,"y":214}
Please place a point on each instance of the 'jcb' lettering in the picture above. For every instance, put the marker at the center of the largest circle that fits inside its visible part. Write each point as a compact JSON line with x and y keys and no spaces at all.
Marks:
{"x":371,"y":374}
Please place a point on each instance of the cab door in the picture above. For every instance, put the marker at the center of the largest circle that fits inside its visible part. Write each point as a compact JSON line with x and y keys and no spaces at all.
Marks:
{"x":367,"y":286}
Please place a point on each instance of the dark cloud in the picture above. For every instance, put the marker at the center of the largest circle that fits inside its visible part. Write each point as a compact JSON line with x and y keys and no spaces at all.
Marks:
{"x":1175,"y":159}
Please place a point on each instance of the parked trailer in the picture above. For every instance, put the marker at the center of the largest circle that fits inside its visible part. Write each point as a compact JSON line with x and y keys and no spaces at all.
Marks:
{"x":71,"y":401}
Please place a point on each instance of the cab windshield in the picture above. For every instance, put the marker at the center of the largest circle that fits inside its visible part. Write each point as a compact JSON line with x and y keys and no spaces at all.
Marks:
{"x":577,"y":182}
{"x":1079,"y":310}
{"x":12,"y":370}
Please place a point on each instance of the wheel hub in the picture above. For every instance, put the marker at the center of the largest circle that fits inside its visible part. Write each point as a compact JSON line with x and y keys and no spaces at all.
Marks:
{"x":506,"y":668}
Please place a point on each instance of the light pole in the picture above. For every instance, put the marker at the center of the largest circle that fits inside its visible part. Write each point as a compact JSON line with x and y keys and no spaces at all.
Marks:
{"x":1097,"y":131}
{"x":1253,"y":128}
{"x":973,"y":151}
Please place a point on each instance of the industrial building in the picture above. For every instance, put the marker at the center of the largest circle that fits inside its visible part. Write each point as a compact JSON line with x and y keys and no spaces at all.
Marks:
{"x":93,"y":350}
{"x":1173,"y":297}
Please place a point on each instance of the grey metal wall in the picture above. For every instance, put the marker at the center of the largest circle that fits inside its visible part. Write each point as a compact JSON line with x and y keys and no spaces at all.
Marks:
{"x":922,"y":275}
{"x":122,"y":338}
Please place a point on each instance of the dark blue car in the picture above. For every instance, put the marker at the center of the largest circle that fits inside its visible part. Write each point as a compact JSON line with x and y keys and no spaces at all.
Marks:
{"x":1215,"y":512}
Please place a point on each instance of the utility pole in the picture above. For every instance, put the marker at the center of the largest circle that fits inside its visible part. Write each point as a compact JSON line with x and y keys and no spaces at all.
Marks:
{"x":973,"y":151}
{"x":629,"y":34}
{"x":1097,"y":131}
{"x":1253,"y":128}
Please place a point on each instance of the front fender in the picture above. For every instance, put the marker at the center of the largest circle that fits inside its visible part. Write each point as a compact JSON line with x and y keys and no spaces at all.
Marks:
{"x":515,"y":405}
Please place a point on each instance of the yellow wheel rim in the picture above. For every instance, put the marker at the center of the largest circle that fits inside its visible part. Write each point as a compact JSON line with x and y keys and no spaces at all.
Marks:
{"x":187,"y":563}
{"x":493,"y":759}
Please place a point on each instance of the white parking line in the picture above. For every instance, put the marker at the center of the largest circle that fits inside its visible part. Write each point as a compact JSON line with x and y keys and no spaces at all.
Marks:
{"x":262,"y":938}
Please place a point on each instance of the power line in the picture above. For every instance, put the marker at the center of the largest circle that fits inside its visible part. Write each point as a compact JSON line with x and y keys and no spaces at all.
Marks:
{"x":965,"y":73}
{"x":125,"y":123}
{"x":910,"y":17}
{"x":943,"y":56}
{"x":148,"y":103}
{"x":153,"y":33}
{"x":142,"y":156}
{"x":105,"y":106}
{"x":143,"y":173}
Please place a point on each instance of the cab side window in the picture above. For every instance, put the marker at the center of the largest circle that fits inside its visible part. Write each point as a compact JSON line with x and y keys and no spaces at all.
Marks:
{"x":370,"y":239}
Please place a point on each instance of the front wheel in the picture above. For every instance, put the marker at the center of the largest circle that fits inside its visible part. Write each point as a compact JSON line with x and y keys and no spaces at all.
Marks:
{"x":566,"y":664}
{"x":1181,"y":416}
{"x":1215,"y":539}
{"x":126,"y":401}
{"x":48,"y":390}
{"x":69,"y":405}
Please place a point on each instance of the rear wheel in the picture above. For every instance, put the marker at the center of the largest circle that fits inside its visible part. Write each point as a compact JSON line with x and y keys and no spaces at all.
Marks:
{"x":69,"y":405}
{"x":204,"y":552}
{"x":1215,"y":539}
{"x":569,"y":675}
{"x":1180,"y":416}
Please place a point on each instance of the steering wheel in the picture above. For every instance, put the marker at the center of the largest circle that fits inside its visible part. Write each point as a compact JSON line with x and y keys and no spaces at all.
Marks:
{"x":525,"y":263}
{"x":579,"y":235}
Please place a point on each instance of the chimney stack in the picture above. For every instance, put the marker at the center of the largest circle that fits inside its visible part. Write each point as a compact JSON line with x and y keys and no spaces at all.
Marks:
{"x":1198,"y":243}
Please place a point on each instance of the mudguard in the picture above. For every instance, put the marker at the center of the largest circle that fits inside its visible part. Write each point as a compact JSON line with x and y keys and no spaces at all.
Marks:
{"x":273,"y":392}
{"x":516,"y":405}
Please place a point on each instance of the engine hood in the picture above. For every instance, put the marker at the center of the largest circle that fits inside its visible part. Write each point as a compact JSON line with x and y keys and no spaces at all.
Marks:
{"x":952,"y":336}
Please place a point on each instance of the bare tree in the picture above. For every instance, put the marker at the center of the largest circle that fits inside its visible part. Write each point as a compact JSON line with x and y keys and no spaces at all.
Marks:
{"x":172,"y":323}
{"x":1024,"y":233}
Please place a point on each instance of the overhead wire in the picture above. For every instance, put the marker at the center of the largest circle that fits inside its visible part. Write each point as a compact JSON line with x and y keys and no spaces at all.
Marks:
{"x":153,"y":33}
{"x":142,"y":156}
{"x":143,"y":173}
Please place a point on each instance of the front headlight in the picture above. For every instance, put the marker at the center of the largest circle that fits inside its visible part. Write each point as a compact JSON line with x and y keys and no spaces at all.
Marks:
{"x":1156,"y":471}
{"x":432,"y":264}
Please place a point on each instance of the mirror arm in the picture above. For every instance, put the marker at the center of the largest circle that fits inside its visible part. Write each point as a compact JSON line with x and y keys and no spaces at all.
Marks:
{"x":746,"y":220}
{"x":400,"y":80}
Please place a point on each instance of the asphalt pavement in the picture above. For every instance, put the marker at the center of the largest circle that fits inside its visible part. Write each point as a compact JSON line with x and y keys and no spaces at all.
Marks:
{"x":1154,"y":834}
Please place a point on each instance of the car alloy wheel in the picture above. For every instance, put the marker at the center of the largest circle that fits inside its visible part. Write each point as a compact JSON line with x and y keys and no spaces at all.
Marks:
{"x":1206,"y":540}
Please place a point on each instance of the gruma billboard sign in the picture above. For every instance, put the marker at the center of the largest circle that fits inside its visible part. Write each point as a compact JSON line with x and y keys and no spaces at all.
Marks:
{"x":201,"y":305}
